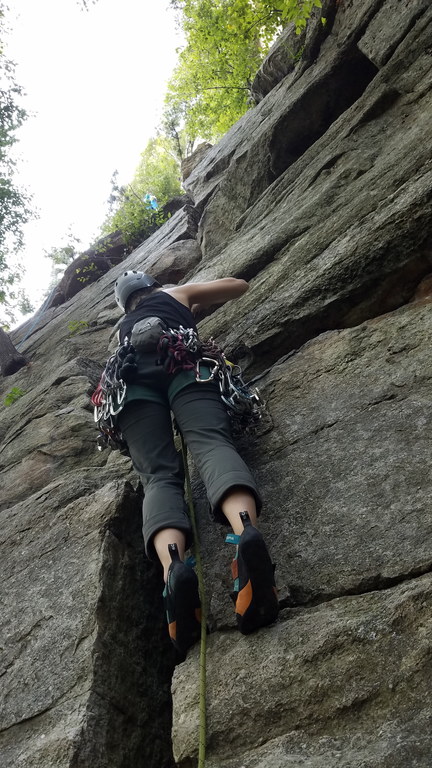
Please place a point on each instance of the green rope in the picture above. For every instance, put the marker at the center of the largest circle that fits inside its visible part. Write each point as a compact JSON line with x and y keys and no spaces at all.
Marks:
{"x":202,"y":661}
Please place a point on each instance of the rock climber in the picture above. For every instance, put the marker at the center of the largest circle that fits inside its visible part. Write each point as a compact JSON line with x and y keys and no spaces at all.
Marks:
{"x":146,"y":425}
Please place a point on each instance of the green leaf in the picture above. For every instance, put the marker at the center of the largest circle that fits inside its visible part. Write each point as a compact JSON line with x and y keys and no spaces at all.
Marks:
{"x":12,"y":396}
{"x":226,"y":41}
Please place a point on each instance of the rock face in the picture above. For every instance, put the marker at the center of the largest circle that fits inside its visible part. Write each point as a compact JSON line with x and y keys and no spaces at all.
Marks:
{"x":321,"y":197}
{"x":10,"y":359}
{"x":279,"y":62}
{"x":89,"y":267}
{"x":189,"y":163}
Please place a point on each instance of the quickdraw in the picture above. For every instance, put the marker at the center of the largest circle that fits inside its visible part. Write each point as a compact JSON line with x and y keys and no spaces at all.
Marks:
{"x":181,"y":349}
{"x":109,"y":396}
{"x":244,"y":404}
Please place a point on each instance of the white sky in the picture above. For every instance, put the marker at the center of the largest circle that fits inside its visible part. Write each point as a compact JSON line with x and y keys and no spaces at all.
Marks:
{"x":95,"y":82}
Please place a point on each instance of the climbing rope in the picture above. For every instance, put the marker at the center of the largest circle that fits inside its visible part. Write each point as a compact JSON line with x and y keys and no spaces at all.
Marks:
{"x":203,"y":645}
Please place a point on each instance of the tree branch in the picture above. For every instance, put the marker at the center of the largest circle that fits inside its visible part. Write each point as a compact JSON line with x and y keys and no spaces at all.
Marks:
{"x":226,"y":88}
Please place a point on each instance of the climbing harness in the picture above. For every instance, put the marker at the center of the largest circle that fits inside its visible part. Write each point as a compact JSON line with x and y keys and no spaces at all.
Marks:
{"x":181,"y":349}
{"x":203,"y":642}
{"x":177,"y":350}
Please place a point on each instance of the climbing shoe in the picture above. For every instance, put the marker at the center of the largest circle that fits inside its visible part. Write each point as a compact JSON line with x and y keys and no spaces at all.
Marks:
{"x":182,"y":603}
{"x":255,"y":595}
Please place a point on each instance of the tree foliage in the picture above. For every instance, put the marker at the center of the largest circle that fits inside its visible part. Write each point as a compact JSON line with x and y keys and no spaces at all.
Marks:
{"x":226,"y":41}
{"x":173,"y":124}
{"x":61,"y":256}
{"x":14,"y":203}
{"x":157,"y":174}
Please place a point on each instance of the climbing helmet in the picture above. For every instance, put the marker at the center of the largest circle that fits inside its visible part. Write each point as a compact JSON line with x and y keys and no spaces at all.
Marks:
{"x":129,"y":282}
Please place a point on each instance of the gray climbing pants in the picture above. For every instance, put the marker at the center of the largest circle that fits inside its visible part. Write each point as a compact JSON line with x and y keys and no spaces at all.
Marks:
{"x":204,"y":424}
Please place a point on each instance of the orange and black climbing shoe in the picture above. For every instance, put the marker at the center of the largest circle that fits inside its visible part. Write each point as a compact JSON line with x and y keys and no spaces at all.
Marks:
{"x":182,"y":603}
{"x":255,"y":595}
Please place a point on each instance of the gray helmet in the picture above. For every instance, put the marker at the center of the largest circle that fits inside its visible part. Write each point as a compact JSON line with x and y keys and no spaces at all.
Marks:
{"x":129,"y":282}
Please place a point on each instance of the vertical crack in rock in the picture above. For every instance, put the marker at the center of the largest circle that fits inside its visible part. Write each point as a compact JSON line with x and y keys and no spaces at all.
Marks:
{"x":128,"y":716}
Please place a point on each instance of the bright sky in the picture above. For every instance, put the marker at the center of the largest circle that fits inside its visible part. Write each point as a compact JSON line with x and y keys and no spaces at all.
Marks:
{"x":95,"y":82}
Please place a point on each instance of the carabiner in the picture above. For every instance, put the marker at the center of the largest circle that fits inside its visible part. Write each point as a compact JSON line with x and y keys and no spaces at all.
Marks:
{"x":214,"y":372}
{"x":106,"y":408}
{"x":120,"y":396}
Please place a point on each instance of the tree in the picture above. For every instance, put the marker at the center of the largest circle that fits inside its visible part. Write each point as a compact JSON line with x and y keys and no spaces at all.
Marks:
{"x":157,"y":175}
{"x":173,"y":121}
{"x":61,"y":256}
{"x":226,"y":41}
{"x":14,"y":203}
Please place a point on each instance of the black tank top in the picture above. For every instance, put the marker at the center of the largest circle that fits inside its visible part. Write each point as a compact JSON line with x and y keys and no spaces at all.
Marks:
{"x":158,"y":304}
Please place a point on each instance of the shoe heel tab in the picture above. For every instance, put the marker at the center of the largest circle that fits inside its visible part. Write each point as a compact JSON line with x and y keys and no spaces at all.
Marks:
{"x":244,"y":517}
{"x":174,"y":553}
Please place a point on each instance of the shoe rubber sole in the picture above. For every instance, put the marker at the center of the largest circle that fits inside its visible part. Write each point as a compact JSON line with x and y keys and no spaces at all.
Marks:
{"x":257,"y":603}
{"x":185,"y":630}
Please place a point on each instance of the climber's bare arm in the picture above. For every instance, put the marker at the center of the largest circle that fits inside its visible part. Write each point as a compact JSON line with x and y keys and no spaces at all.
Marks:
{"x":207,"y":294}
